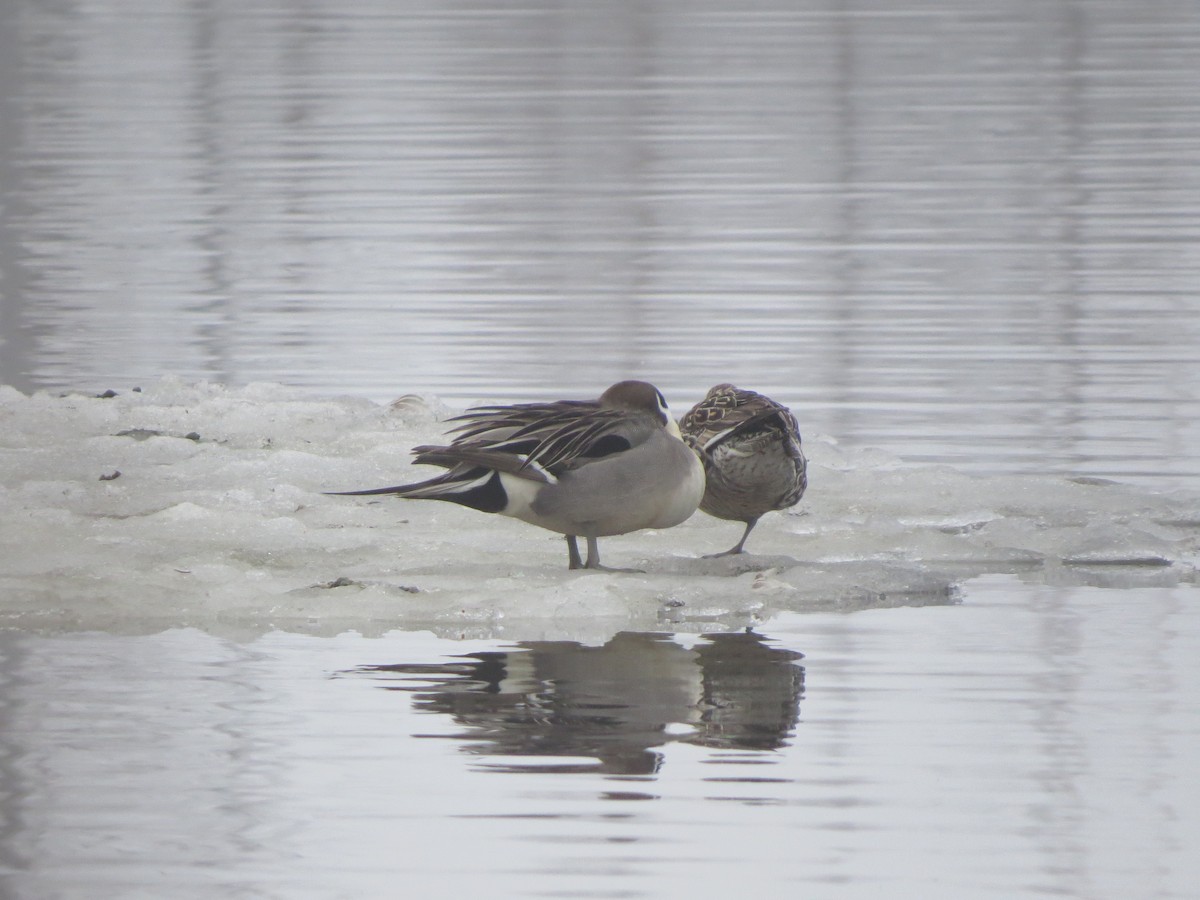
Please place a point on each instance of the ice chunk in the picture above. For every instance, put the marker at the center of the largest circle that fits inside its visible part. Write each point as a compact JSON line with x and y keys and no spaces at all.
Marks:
{"x":219,"y":518}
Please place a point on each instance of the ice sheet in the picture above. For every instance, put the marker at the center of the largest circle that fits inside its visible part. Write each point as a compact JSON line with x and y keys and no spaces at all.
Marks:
{"x":196,"y":504}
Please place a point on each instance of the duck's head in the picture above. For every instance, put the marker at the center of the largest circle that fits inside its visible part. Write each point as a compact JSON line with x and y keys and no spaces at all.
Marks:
{"x":640,"y":397}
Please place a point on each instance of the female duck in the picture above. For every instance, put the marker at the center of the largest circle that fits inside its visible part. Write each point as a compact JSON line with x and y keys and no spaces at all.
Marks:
{"x":750,"y":446}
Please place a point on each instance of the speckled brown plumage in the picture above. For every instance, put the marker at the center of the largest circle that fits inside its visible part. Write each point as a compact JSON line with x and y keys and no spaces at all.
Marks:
{"x":750,"y":447}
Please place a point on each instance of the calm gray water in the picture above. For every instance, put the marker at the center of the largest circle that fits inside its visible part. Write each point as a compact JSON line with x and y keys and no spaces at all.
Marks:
{"x":1030,"y":742}
{"x":910,"y":753}
{"x":965,"y":232}
{"x":968,"y":233}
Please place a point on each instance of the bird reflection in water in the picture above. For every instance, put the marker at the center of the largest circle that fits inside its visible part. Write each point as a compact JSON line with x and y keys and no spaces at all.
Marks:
{"x":607,"y":709}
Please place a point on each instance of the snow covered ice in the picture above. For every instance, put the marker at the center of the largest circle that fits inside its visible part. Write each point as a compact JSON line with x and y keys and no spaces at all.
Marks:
{"x":202,"y":505}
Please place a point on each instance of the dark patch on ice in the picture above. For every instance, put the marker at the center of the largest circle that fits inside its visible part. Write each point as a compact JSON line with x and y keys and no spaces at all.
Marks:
{"x":1187,"y":523}
{"x":1149,"y":561}
{"x":339,"y":582}
{"x":730,"y":566}
{"x":963,"y":527}
{"x":144,"y":434}
{"x":343,"y":581}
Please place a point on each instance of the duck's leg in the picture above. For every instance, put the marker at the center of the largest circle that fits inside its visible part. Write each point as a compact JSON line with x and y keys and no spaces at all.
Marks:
{"x":593,"y":558}
{"x":736,"y":548}
{"x":574,"y":561}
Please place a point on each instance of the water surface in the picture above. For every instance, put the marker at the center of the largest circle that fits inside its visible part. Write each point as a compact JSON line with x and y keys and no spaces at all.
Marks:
{"x":966,"y":233}
{"x":1030,"y":741}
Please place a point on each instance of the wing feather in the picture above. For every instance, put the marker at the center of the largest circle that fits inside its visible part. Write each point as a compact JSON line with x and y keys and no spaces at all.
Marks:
{"x":534,"y":440}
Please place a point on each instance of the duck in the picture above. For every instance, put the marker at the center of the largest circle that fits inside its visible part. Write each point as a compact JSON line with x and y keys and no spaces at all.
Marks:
{"x":581,"y":468}
{"x":750,"y":448}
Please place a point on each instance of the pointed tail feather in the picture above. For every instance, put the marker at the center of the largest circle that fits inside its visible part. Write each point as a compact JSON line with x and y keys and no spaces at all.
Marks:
{"x":398,"y":489}
{"x":447,"y":483}
{"x":478,"y":488}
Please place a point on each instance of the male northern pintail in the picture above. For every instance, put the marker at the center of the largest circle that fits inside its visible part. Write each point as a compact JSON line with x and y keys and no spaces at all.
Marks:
{"x":591,"y":468}
{"x":750,"y":446}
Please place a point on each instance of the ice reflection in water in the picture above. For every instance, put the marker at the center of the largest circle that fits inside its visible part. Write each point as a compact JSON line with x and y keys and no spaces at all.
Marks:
{"x":615,"y":703}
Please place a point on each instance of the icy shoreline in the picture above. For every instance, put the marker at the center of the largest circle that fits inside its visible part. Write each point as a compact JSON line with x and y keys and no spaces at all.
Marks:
{"x":200,"y":505}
